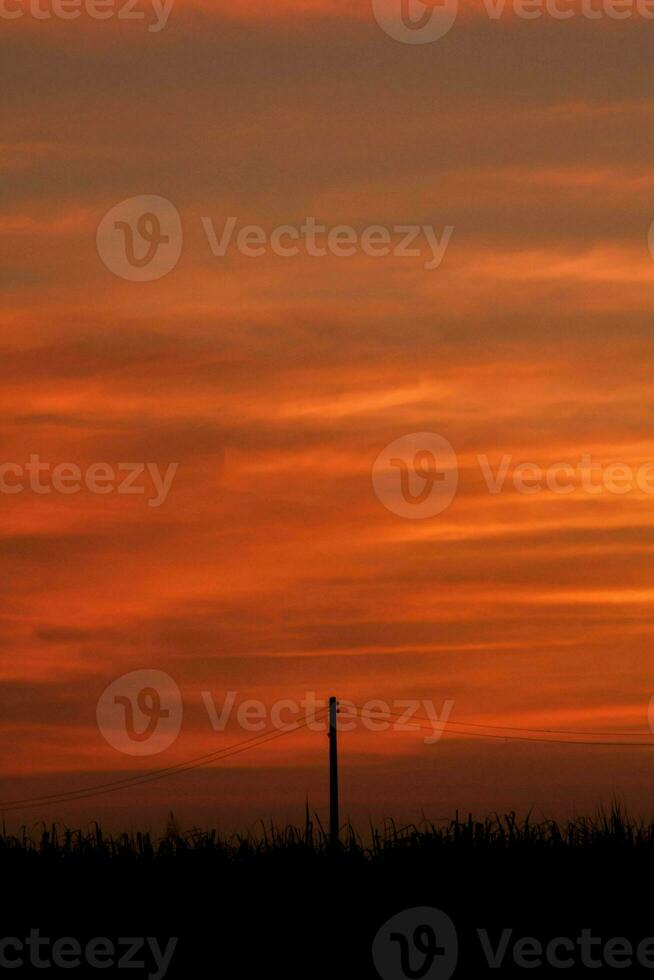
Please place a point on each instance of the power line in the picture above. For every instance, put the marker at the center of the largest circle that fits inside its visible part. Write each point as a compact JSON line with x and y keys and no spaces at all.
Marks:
{"x":189,"y":765}
{"x":125,"y":780}
{"x":529,"y":735}
{"x":130,"y":781}
{"x":541,"y":731}
{"x":521,"y":738}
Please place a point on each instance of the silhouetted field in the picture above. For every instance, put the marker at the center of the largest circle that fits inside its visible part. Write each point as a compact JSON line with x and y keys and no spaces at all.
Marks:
{"x":285,"y":901}
{"x":58,"y":846}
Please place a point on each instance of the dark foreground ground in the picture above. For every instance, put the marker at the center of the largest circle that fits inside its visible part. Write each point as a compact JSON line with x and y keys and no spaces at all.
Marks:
{"x":545,"y":899}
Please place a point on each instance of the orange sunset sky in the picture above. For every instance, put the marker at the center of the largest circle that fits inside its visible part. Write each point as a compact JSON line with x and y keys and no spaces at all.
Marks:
{"x":272,"y":568}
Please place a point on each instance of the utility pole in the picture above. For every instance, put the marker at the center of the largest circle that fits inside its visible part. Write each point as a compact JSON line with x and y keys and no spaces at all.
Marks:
{"x":334,"y":822}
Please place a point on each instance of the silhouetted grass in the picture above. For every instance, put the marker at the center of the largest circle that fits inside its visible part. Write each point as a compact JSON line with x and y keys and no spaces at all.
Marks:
{"x":605,"y":831}
{"x":241,"y":902}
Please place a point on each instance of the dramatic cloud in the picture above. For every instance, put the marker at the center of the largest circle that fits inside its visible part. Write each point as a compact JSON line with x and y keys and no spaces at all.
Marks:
{"x":270,"y":567}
